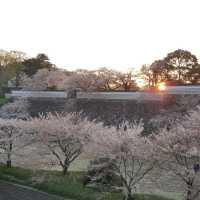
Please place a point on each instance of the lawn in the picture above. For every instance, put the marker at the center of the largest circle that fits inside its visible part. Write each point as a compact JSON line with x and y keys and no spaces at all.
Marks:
{"x":3,"y":100}
{"x":69,"y":187}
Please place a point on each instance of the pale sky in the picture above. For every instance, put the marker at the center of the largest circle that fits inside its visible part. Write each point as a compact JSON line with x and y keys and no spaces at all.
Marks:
{"x":120,"y":34}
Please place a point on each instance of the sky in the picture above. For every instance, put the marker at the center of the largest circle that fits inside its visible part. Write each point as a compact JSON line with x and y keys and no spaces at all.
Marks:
{"x":118,"y":34}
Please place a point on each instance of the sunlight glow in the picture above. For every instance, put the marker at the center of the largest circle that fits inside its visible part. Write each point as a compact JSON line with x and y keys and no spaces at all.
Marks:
{"x":162,"y":86}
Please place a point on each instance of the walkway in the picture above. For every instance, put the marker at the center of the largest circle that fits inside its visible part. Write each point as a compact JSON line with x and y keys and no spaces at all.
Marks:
{"x":10,"y":191}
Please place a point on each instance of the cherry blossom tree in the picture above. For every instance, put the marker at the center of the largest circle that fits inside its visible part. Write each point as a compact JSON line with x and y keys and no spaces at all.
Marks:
{"x":7,"y":130}
{"x":44,"y":79}
{"x":18,"y":109}
{"x":108,"y":78}
{"x":131,"y":153}
{"x":178,"y":150}
{"x":37,"y":82}
{"x":56,"y":79}
{"x":115,"y":80}
{"x":84,"y":80}
{"x":12,"y":138}
{"x":102,"y":79}
{"x":18,"y":81}
{"x":125,"y":81}
{"x":64,"y":135}
{"x":11,"y":130}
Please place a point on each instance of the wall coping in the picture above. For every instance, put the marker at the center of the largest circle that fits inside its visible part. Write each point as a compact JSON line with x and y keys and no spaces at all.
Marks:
{"x":36,"y":94}
{"x":176,"y":90}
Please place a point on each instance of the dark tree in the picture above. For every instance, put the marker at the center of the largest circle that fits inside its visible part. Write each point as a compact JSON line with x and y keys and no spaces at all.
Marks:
{"x":10,"y":65}
{"x":178,"y":67}
{"x":194,"y":74}
{"x":181,"y":65}
{"x":32,"y":65}
{"x":147,"y":75}
{"x":158,"y":72}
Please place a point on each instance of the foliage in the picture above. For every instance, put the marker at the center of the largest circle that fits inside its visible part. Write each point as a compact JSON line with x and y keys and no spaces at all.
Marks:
{"x":132,"y":153}
{"x":37,"y":82}
{"x":180,"y":107}
{"x":17,"y":109}
{"x":16,"y":68}
{"x":10,"y":66}
{"x":100,"y":80}
{"x":178,"y":150}
{"x":32,"y":65}
{"x":64,"y":135}
{"x":100,"y":174}
{"x":12,"y":137}
{"x":44,"y":79}
{"x":157,"y":69}
{"x":178,"y":67}
{"x":84,"y":80}
{"x":146,"y":75}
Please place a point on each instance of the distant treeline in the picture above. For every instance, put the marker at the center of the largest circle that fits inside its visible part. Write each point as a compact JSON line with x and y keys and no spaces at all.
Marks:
{"x":18,"y":70}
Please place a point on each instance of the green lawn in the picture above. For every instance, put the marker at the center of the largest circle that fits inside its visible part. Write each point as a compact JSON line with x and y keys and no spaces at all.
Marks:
{"x":3,"y":100}
{"x":69,"y":187}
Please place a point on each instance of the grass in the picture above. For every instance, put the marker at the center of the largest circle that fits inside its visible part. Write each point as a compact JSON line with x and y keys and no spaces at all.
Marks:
{"x":3,"y":100}
{"x":70,"y":186}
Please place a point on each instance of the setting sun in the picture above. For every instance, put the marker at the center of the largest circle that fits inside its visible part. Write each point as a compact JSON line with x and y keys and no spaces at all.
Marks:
{"x":162,"y":86}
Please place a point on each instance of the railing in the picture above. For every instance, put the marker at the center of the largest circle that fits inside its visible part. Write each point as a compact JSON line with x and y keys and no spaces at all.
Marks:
{"x":120,"y":95}
{"x":87,"y":95}
{"x":177,"y":90}
{"x":182,"y":90}
{"x":37,"y":94}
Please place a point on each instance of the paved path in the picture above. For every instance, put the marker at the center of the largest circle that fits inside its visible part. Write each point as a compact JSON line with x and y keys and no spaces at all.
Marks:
{"x":15,"y":192}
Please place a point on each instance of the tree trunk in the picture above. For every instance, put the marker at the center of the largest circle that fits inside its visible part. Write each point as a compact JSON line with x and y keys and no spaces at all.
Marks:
{"x":126,"y":87}
{"x":130,"y":197}
{"x":17,"y":80}
{"x":8,"y":164}
{"x":65,"y":170}
{"x":128,"y":194}
{"x":189,"y":191}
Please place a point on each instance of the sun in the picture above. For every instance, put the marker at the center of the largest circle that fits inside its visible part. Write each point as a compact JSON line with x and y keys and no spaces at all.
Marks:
{"x":162,"y":86}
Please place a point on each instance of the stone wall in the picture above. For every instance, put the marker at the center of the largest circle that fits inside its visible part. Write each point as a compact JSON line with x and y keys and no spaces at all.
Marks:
{"x":107,"y":110}
{"x":111,"y":108}
{"x":113,"y":112}
{"x":44,"y":105}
